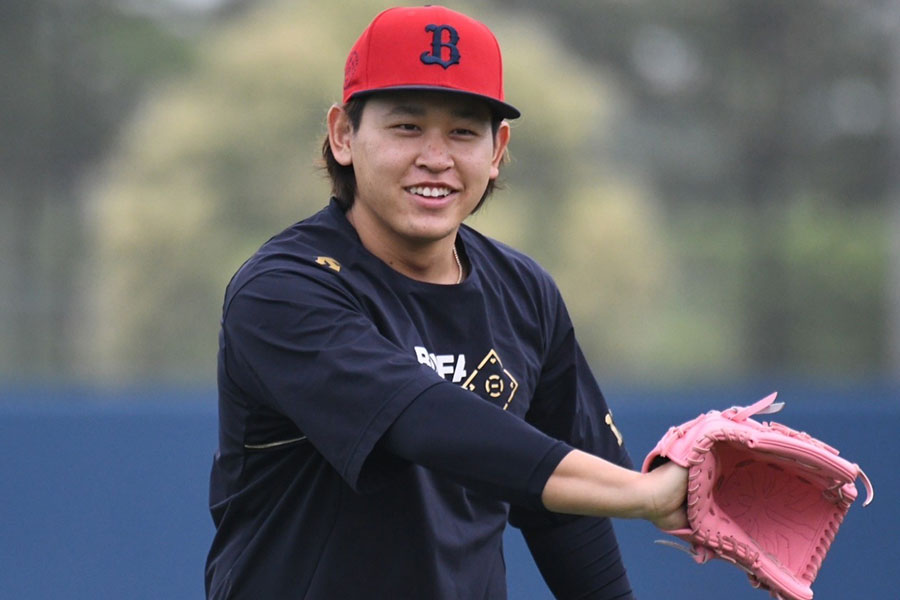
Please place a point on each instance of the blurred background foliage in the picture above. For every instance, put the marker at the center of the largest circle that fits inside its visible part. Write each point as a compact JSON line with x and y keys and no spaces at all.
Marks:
{"x":714,"y":185}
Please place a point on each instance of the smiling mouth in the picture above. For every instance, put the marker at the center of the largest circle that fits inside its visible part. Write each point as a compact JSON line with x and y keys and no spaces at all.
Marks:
{"x":430,"y":192}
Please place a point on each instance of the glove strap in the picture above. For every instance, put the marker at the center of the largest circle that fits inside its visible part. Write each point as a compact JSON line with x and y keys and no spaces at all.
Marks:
{"x":870,"y":491}
{"x":766,"y":406}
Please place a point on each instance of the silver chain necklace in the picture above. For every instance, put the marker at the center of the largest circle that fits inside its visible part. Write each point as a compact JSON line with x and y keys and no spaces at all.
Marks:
{"x":458,"y":265}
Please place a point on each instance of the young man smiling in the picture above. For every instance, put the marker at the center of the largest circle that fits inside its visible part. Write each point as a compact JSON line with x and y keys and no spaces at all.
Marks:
{"x":395,"y":387}
{"x":422,"y":162}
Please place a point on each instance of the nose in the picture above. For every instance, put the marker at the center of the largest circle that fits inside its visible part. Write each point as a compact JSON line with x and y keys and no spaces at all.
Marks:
{"x":434,"y":154}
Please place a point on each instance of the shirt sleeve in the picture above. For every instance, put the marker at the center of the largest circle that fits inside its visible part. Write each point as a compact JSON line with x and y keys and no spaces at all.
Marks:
{"x":303,"y":348}
{"x":580,"y":560}
{"x":453,"y":431}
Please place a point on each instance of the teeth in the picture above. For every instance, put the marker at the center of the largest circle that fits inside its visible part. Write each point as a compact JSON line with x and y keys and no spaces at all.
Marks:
{"x":429,"y":192}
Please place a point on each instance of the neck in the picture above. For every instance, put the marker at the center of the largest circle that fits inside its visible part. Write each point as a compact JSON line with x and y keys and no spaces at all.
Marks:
{"x":430,"y":261}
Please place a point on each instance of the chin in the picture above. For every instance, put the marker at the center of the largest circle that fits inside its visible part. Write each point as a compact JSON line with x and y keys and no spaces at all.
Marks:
{"x":432,"y":228}
{"x":430,"y":234}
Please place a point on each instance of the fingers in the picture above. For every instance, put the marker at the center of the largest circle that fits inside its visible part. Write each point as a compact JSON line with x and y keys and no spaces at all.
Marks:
{"x":670,"y":488}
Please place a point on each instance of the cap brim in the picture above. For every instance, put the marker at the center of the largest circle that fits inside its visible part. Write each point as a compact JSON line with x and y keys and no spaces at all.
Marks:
{"x":501,"y":109}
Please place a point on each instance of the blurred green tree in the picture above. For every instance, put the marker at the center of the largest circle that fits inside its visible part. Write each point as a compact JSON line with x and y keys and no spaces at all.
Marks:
{"x":707,"y":183}
{"x":763,"y":125}
{"x":71,"y":73}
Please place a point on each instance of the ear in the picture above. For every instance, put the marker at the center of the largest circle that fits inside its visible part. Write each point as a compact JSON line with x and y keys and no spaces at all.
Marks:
{"x":501,"y":143}
{"x":340,"y":133}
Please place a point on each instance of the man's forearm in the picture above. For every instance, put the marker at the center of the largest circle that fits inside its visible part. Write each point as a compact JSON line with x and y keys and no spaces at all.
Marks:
{"x":584,"y":484}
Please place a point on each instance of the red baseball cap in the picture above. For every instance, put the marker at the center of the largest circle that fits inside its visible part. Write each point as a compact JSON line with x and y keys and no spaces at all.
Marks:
{"x":427,"y":48}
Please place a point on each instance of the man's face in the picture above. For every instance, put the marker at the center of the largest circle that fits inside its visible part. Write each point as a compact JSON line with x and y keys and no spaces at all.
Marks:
{"x":422,"y":162}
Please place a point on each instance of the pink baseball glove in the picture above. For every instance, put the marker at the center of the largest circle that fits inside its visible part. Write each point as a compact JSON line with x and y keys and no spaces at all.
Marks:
{"x":760,"y":495}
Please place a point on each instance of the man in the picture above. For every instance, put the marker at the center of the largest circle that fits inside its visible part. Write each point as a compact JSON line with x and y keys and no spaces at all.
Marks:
{"x":395,"y":387}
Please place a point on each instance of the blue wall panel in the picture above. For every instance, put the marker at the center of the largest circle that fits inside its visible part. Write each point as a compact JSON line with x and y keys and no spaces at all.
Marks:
{"x":103,"y":496}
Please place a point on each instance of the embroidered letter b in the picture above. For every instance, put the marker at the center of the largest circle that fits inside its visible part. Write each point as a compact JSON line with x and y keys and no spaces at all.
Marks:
{"x":438,"y":44}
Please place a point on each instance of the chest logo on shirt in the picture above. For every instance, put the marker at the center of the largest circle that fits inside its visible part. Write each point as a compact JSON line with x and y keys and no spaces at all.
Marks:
{"x":492,"y":381}
{"x":448,"y":366}
{"x":489,"y":379}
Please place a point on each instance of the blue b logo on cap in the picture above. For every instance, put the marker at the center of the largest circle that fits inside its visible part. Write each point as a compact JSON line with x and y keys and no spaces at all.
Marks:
{"x":438,"y":44}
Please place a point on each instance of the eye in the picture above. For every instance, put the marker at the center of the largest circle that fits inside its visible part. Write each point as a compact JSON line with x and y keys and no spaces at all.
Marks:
{"x":469,"y":128}
{"x":463,"y":131}
{"x":406,"y":127}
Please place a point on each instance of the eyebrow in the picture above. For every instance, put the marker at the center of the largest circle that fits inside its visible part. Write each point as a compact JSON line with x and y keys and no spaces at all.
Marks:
{"x":416,"y":110}
{"x":407,"y":109}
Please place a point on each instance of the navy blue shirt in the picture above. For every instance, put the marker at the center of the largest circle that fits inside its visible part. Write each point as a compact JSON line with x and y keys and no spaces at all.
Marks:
{"x":322,"y":348}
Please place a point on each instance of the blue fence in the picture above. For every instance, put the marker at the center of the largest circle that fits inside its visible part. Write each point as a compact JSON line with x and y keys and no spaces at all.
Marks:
{"x":103,"y":495}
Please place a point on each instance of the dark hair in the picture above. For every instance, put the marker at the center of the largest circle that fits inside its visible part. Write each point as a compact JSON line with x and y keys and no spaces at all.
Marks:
{"x":343,"y":179}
